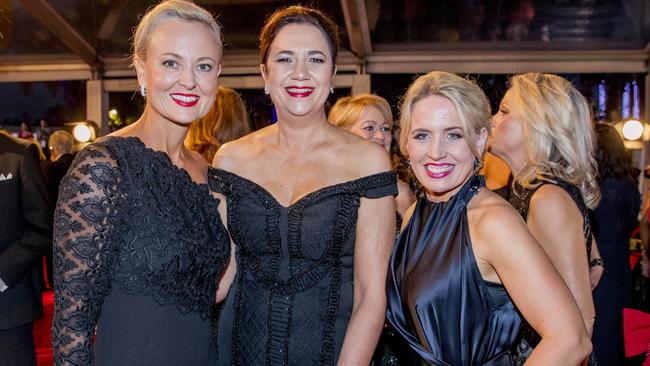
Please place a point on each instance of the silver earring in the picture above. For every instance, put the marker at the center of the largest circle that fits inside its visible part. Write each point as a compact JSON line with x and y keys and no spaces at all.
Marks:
{"x":143,"y":90}
{"x":267,"y":90}
{"x":331,"y":90}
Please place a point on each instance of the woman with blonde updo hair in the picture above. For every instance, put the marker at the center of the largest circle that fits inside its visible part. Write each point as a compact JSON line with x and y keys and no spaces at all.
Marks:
{"x":138,"y":242}
{"x":544,"y":132}
{"x":465,"y":266}
{"x":228,"y":120}
{"x":369,"y":116}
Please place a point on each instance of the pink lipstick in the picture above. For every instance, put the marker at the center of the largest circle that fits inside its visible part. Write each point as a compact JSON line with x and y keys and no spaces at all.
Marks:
{"x":438,"y":170}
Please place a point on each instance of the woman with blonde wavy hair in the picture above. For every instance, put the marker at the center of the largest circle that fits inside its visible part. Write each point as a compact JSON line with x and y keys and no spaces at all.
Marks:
{"x":369,"y":116}
{"x":228,"y":120}
{"x":544,"y":132}
{"x":465,"y":268}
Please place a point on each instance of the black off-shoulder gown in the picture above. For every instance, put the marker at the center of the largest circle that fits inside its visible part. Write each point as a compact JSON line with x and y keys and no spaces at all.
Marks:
{"x":292,"y":297}
{"x":139,"y":248}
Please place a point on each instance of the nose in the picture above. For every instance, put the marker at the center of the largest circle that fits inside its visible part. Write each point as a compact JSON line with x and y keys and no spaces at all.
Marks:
{"x":378,"y":135}
{"x":299,"y":71}
{"x":437,"y":149}
{"x":187,"y":78}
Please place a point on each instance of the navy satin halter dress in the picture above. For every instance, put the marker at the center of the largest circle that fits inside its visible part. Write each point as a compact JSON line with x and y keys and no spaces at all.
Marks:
{"x":437,"y":300}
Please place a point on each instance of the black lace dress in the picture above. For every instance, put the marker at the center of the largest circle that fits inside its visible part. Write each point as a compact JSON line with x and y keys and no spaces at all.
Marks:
{"x":292,"y":297}
{"x":138,"y":251}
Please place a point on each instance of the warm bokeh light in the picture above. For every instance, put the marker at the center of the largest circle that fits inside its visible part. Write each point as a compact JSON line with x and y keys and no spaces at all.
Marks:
{"x":82,"y":133}
{"x":632,"y":129}
{"x":112,"y":114}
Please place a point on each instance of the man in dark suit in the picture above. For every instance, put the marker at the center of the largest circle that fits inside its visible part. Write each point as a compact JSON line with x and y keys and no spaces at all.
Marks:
{"x":25,"y":236}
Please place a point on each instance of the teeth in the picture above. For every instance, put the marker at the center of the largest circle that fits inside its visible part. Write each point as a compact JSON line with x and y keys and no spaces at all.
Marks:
{"x":185,"y":98}
{"x":439,"y":169}
{"x":300,"y":90}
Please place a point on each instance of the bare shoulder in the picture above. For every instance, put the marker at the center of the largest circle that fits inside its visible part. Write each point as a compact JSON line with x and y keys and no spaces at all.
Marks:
{"x":490,"y":213}
{"x":552,"y":198}
{"x":231,"y":154}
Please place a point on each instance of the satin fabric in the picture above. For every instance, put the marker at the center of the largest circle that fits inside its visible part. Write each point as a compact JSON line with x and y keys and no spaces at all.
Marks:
{"x":437,"y":300}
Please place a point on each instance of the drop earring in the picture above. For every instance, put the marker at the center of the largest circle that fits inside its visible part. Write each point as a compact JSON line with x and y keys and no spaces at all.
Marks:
{"x":477,"y":164}
{"x":267,"y":90}
{"x":331,"y":90}
{"x":143,"y":90}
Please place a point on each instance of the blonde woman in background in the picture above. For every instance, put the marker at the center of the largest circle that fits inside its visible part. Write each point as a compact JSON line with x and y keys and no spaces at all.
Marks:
{"x":369,"y":116}
{"x":228,"y":120}
{"x":544,"y":132}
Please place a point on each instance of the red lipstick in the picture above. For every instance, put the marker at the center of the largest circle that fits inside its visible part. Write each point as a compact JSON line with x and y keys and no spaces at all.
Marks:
{"x":299,"y":91}
{"x":185,"y":100}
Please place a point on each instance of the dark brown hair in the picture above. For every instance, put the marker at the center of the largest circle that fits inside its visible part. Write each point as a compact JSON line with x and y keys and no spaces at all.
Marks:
{"x":298,"y":14}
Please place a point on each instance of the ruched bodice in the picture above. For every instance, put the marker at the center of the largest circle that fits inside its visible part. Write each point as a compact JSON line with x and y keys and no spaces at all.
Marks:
{"x":292,"y":296}
{"x":139,"y":248}
{"x":437,"y":299}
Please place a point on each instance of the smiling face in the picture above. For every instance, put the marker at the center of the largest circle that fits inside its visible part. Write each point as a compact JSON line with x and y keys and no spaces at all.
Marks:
{"x":372,"y":126}
{"x":437,"y":148}
{"x":508,"y":141}
{"x":298,"y":70}
{"x":181,"y":70}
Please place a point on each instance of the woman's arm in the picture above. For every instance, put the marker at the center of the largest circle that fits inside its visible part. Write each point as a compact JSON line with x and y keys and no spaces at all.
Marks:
{"x":556,"y":223}
{"x":83,"y":252}
{"x":374,"y":243}
{"x":221,"y":160}
{"x":502,"y":242}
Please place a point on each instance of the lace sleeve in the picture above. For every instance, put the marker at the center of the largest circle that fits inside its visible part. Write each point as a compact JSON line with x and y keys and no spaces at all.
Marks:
{"x":84,"y":223}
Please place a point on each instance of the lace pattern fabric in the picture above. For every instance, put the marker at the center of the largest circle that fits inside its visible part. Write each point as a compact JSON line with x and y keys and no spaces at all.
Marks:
{"x":128,"y":217}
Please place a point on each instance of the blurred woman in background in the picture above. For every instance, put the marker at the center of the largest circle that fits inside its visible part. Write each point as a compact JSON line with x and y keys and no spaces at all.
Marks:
{"x":544,"y":132}
{"x":228,"y":120}
{"x":619,"y":195}
{"x":370,"y":116}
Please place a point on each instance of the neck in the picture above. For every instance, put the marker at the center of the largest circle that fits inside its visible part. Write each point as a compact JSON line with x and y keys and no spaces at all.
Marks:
{"x":301,"y":133}
{"x":160,"y":134}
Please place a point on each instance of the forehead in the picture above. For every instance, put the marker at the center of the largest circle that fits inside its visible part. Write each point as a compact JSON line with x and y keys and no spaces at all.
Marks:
{"x":434,"y":112}
{"x":371,"y":112}
{"x":297,"y":36}
{"x":191,"y":39}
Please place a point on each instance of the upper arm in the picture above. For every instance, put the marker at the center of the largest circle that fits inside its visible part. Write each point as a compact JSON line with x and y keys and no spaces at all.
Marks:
{"x":375,"y":237}
{"x":555,"y":221}
{"x":527,"y":273}
{"x":83,"y":253}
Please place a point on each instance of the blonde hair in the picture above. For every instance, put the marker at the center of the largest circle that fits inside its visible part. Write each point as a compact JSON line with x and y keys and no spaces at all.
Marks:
{"x":61,"y":143}
{"x":169,"y":10}
{"x":347,"y":110}
{"x":227,"y":120}
{"x":559,"y":130}
{"x":471,"y":105}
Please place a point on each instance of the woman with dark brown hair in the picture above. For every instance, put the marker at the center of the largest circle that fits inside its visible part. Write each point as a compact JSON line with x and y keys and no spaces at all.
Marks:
{"x":311,"y":214}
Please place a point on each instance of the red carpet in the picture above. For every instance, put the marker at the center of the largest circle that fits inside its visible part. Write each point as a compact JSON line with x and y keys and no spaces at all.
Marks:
{"x":42,"y":333}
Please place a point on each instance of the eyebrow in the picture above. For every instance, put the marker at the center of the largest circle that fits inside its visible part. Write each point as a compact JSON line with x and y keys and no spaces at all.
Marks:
{"x":445,"y":130}
{"x":310,"y":53}
{"x":175,"y":55}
